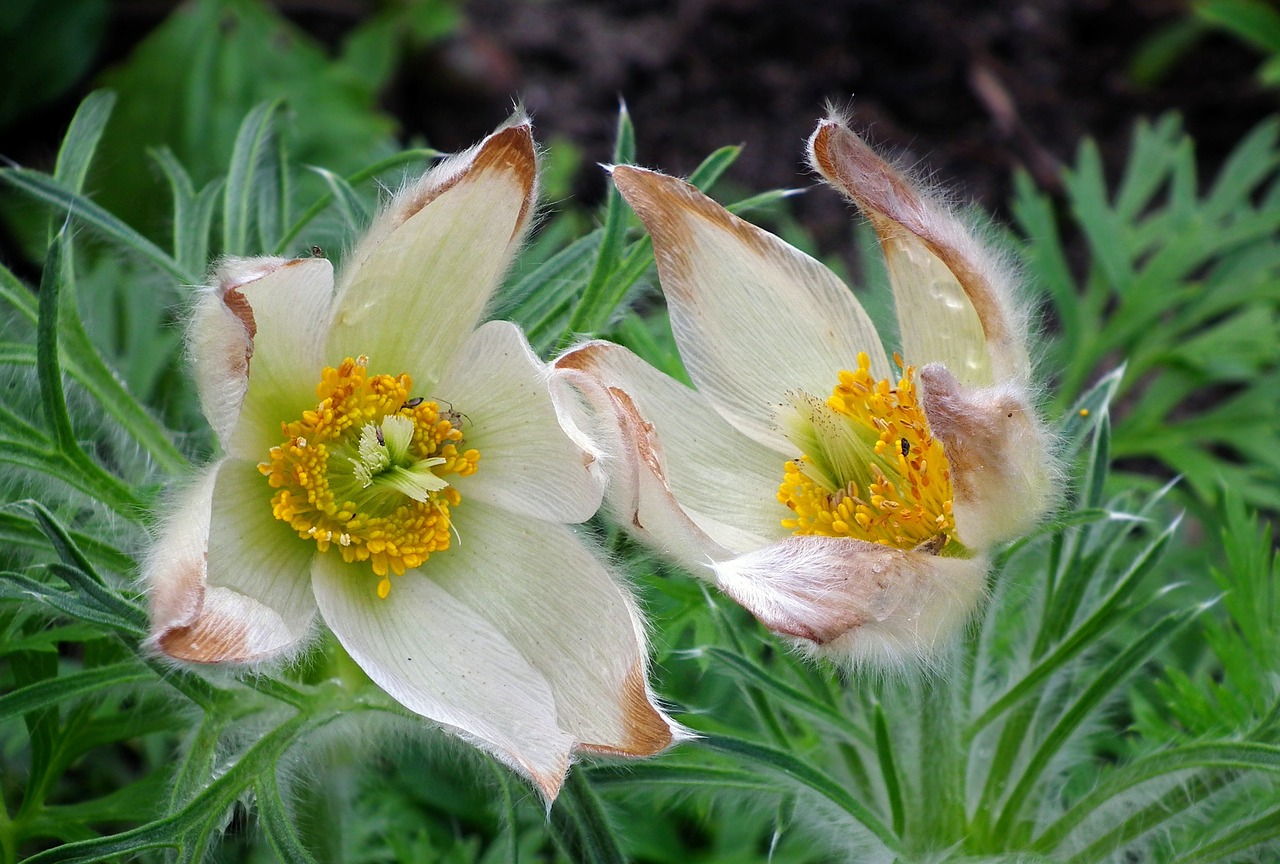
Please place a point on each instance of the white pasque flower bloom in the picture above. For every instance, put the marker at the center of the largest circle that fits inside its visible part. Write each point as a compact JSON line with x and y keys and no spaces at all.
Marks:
{"x":843,"y":498}
{"x":400,"y":468}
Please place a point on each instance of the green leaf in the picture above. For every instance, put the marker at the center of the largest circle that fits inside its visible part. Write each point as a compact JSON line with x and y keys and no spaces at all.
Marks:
{"x":1230,"y":755}
{"x":274,"y":819}
{"x":54,"y":691}
{"x":1253,"y":21}
{"x":1104,"y":681}
{"x":243,"y":180}
{"x":594,"y":308}
{"x":808,"y":776}
{"x":80,"y":143}
{"x":355,"y":216}
{"x":46,"y":190}
{"x":16,"y":586}
{"x":889,"y":771}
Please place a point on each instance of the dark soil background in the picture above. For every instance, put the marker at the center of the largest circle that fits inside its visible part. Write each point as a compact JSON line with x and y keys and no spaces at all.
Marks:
{"x":967,"y":91}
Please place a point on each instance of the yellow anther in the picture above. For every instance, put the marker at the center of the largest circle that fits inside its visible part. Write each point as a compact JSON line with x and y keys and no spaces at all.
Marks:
{"x":396,"y":514}
{"x":899,"y":493}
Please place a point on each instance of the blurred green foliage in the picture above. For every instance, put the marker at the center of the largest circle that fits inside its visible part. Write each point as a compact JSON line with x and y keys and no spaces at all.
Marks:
{"x":45,"y":49}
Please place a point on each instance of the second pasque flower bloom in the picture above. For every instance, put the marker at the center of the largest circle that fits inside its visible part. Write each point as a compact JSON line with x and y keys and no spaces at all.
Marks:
{"x":843,"y":496}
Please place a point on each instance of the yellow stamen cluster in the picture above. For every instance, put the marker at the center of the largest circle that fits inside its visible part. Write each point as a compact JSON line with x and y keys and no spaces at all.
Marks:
{"x":902,"y":497}
{"x":325,"y":498}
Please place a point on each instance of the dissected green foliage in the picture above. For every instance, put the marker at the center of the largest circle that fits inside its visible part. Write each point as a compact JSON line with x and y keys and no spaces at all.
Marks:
{"x":1113,"y":701}
{"x":1182,"y":284}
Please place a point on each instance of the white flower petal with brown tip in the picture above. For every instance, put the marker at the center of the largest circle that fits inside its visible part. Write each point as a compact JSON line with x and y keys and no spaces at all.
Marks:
{"x":706,"y":471}
{"x":853,"y":600}
{"x":440,"y":658}
{"x":430,"y":263}
{"x":527,"y":463}
{"x":518,"y":574}
{"x":285,"y":310}
{"x":754,"y":317}
{"x":1001,"y":473}
{"x":258,"y":615}
{"x":277,"y":307}
{"x":952,"y":295}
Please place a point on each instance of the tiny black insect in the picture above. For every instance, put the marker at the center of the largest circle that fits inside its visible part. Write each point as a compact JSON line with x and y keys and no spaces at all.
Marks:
{"x":382,"y":439}
{"x":414,"y":402}
{"x":317,"y":252}
{"x":906,"y":447}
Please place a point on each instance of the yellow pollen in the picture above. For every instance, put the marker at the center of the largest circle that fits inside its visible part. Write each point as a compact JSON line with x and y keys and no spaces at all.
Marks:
{"x":389,"y":507}
{"x":884,"y":478}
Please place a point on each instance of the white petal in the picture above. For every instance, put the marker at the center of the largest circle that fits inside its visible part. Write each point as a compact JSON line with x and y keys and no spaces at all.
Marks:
{"x":723,"y":482}
{"x":415,"y":287}
{"x":554,"y":601}
{"x":258,"y":321}
{"x":856,"y":601}
{"x":1003,"y":473}
{"x":753,"y":316}
{"x":528,"y":464}
{"x":287,"y":310}
{"x":438,"y":657}
{"x":953,"y":295}
{"x":226,"y":586}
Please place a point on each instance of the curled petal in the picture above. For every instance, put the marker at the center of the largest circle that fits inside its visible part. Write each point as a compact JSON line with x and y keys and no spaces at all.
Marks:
{"x":856,"y":601}
{"x":527,"y":463}
{"x":755,"y":318}
{"x":1002,"y":471}
{"x":415,"y":287}
{"x":255,"y":606}
{"x":257,"y":330}
{"x":681,"y":477}
{"x":953,"y":295}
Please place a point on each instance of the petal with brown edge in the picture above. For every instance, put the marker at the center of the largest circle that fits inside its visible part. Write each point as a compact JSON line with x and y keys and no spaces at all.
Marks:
{"x":236,"y":618}
{"x":954,"y":296}
{"x":427,"y":268}
{"x":551,"y":599}
{"x":722,"y":484}
{"x":284,"y":305}
{"x":754,"y":317}
{"x":1002,"y":472}
{"x":856,"y":601}
{"x":439,"y":657}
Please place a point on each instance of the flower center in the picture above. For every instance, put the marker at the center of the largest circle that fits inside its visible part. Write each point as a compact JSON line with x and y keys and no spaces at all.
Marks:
{"x":365,"y":472}
{"x":870,"y":468}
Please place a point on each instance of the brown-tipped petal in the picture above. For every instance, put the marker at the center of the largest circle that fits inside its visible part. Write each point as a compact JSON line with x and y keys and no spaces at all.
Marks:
{"x":1002,"y":471}
{"x":416,"y":285}
{"x":954,"y":297}
{"x":856,"y":601}
{"x":251,"y":328}
{"x":755,"y":318}
{"x":563,"y":610}
{"x":441,"y":658}
{"x":200,"y":621}
{"x":680,"y":477}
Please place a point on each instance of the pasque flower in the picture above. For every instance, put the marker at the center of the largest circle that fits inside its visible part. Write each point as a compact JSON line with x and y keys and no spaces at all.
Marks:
{"x":845,"y":497}
{"x":398,"y":467}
